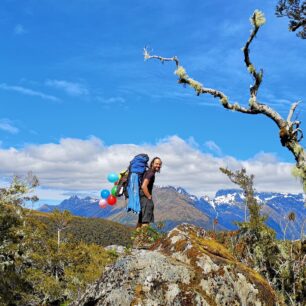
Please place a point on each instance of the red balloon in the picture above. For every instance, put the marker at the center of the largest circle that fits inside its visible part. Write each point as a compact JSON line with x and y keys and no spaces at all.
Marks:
{"x":111,"y":200}
{"x":116,"y":183}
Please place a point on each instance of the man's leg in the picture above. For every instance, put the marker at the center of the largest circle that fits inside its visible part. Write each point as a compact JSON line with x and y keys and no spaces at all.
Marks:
{"x":144,"y":220}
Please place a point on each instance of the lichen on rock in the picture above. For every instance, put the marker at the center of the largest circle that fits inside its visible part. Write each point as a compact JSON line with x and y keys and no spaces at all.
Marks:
{"x":185,"y":268}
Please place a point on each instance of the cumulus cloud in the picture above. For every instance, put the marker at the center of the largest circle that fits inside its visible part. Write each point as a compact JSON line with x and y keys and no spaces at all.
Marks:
{"x":7,"y":126}
{"x":73,"y":89}
{"x":28,"y":92}
{"x":81,"y":166}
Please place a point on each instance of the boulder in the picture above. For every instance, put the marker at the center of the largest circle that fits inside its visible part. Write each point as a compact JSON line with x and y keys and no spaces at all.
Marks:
{"x":185,"y":268}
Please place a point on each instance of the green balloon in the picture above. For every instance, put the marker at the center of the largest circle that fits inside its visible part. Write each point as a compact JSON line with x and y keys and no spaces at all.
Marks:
{"x":114,"y":190}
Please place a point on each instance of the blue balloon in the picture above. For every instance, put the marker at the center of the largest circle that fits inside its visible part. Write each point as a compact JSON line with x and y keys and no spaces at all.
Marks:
{"x":105,"y":193}
{"x":113,"y":177}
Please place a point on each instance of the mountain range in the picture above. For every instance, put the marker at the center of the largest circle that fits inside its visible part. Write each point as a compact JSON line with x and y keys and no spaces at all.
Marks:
{"x":174,"y":205}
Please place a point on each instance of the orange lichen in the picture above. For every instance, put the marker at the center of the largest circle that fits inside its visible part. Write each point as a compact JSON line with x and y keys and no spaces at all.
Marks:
{"x":138,"y":295}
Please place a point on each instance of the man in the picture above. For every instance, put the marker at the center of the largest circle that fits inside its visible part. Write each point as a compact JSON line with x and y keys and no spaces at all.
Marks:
{"x":146,"y":215}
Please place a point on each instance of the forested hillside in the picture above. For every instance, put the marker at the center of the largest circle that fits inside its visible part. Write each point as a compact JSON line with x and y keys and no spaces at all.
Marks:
{"x":46,"y":259}
{"x":89,"y":230}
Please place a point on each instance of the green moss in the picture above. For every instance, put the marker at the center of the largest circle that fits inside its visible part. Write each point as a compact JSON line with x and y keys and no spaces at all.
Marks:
{"x":260,"y":282}
{"x":194,"y":246}
{"x":213,"y":247}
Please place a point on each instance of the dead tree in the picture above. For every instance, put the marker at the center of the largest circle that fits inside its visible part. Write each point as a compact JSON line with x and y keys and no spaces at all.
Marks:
{"x":290,"y":132}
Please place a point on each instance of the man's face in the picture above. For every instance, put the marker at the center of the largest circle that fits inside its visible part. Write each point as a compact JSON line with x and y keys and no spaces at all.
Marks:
{"x":157,"y":165}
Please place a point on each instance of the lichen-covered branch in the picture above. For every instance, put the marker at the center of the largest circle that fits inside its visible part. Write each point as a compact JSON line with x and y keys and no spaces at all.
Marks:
{"x":290,"y":132}
{"x":197,"y":86}
{"x":257,"y":21}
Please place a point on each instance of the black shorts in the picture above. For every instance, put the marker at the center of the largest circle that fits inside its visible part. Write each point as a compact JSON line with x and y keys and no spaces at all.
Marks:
{"x":147,"y":210}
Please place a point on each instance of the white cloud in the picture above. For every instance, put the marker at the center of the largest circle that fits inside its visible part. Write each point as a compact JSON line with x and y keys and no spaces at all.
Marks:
{"x":81,"y":166}
{"x":73,"y":89}
{"x":263,"y":157}
{"x":212,"y":146}
{"x":7,"y":126}
{"x":19,"y":29}
{"x":28,"y":92}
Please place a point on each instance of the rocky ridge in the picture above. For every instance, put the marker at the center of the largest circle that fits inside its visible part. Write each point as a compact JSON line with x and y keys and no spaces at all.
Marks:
{"x":185,"y":268}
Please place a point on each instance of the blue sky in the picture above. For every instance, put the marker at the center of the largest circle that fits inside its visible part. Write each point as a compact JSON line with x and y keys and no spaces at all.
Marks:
{"x":74,"y":83}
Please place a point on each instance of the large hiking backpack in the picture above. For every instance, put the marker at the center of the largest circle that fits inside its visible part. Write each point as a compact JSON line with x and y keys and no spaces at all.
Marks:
{"x":138,"y":165}
{"x":122,"y":184}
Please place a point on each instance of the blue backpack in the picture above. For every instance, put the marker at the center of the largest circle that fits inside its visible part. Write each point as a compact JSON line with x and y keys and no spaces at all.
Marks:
{"x":138,"y":166}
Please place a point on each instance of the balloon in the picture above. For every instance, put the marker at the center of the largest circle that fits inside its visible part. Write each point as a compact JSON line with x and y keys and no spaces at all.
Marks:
{"x":116,"y":183}
{"x":105,"y":194}
{"x":111,"y":200}
{"x":114,"y":190}
{"x":103,"y":203}
{"x":113,"y":177}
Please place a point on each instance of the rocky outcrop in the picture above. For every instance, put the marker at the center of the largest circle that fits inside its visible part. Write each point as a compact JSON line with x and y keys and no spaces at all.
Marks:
{"x":184,"y":268}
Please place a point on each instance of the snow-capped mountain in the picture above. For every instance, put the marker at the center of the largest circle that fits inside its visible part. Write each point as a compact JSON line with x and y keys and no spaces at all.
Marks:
{"x":229,"y":206}
{"x":174,"y":205}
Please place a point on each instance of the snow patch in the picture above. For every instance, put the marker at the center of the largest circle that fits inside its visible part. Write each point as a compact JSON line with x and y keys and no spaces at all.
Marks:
{"x":228,"y":199}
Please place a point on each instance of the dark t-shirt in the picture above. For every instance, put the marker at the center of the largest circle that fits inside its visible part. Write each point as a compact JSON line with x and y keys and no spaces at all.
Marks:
{"x":150,"y":175}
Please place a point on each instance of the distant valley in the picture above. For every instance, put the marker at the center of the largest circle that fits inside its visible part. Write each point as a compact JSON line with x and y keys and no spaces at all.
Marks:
{"x":174,"y":206}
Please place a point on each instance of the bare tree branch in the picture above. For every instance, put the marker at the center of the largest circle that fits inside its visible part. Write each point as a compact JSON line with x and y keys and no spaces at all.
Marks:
{"x":291,"y":111}
{"x":289,"y":132}
{"x":198,"y":87}
{"x":162,"y":59}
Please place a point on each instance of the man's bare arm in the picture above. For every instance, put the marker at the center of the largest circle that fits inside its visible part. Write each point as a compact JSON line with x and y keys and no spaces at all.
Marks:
{"x":145,"y":189}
